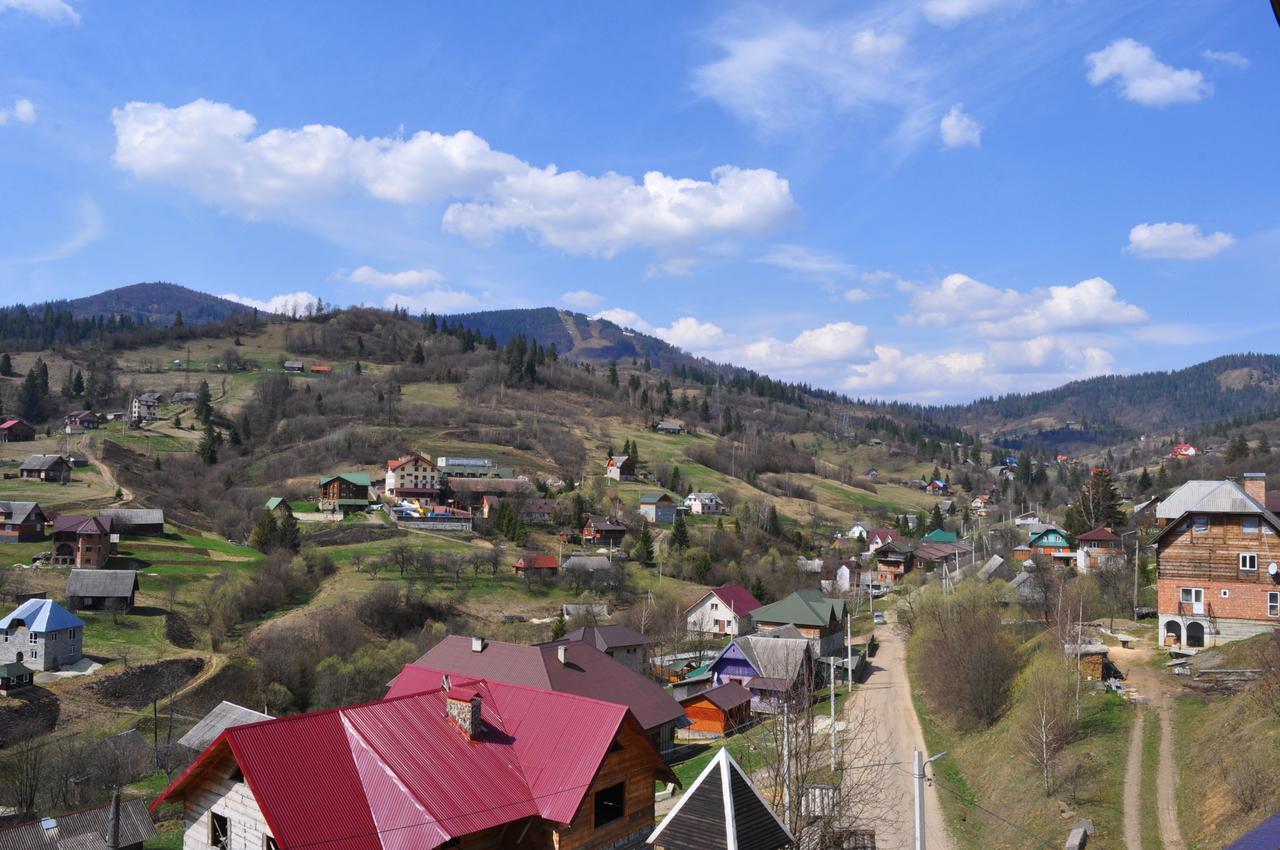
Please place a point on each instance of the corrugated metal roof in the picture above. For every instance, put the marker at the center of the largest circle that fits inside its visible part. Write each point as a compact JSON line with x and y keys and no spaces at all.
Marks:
{"x":738,"y":598}
{"x":80,"y":524}
{"x":42,"y":615}
{"x":135,"y":827}
{"x":606,"y":637}
{"x":400,"y":774}
{"x":125,"y":518}
{"x":119,"y":584}
{"x":223,"y":716}
{"x":804,"y":607}
{"x":19,"y":512}
{"x":42,"y":462}
{"x":725,"y":697}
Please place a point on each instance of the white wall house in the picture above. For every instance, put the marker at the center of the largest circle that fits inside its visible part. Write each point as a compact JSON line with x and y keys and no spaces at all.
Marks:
{"x":704,"y":503}
{"x":723,"y":611}
{"x":412,"y":475}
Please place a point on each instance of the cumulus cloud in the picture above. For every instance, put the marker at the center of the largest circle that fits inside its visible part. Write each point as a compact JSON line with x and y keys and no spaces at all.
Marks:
{"x":213,"y":151}
{"x":291,"y":303}
{"x":1172,"y":240}
{"x":1142,"y":78}
{"x":959,"y":129}
{"x":23,"y":111}
{"x":1226,"y":57}
{"x":693,"y":335}
{"x":407,"y":279}
{"x":950,"y":12}
{"x":53,"y":11}
{"x":625,"y":319}
{"x":582,"y":299}
{"x":801,"y":260}
{"x":853,"y":296}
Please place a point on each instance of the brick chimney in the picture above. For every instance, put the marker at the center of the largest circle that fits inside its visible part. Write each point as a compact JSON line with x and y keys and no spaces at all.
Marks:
{"x":1255,"y":484}
{"x":463,"y":706}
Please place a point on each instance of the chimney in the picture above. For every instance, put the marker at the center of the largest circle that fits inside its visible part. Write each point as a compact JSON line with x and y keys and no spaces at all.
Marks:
{"x":562,"y":652}
{"x":477,"y":644}
{"x":464,"y":707}
{"x":1255,"y":484}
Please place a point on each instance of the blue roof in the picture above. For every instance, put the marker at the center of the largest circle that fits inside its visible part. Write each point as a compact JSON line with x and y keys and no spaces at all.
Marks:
{"x":1265,"y":837}
{"x":43,"y":615}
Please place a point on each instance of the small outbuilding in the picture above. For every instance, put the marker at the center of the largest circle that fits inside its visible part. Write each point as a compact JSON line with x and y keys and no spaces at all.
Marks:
{"x":14,"y":676}
{"x":102,"y":590}
{"x":718,"y":711}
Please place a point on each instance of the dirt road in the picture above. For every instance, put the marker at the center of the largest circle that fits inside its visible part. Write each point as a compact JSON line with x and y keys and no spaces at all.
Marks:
{"x":1133,"y":786}
{"x":1153,"y":687}
{"x":886,"y":695}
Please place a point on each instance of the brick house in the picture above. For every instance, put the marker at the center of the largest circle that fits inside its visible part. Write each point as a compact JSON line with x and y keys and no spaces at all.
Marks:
{"x":41,"y":634}
{"x":82,"y":541}
{"x":21,"y":522}
{"x":16,"y":431}
{"x":444,"y":761}
{"x":1217,"y":573}
{"x":51,"y":468}
{"x":346,"y":492}
{"x":413,"y":476}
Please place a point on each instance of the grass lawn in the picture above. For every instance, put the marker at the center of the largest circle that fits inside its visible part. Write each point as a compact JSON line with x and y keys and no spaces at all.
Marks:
{"x":439,"y":395}
{"x":139,"y":634}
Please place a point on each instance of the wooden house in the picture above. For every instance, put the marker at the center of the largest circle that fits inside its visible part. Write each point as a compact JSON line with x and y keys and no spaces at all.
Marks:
{"x":84,"y":542}
{"x":602,"y":530}
{"x":658,"y":508}
{"x":294,"y":366}
{"x":85,"y":420}
{"x":1097,"y":546}
{"x":21,"y":522}
{"x":16,"y":431}
{"x":142,"y":522}
{"x":538,"y":563}
{"x":620,"y":468}
{"x":774,"y":668}
{"x":819,"y":619}
{"x":444,"y":761}
{"x":719,"y":710}
{"x":50,"y":468}
{"x":1218,"y":577}
{"x":102,"y":590}
{"x":669,"y":426}
{"x":345,"y":492}
{"x":220,"y":718}
{"x":84,"y":829}
{"x":470,"y":493}
{"x":1049,"y":542}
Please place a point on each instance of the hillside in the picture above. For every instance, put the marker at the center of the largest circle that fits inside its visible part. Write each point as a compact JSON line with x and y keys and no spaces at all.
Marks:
{"x":1106,"y":410}
{"x":158,"y":303}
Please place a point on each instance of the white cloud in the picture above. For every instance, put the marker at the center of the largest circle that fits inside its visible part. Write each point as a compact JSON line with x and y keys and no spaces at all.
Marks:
{"x":288,"y":304}
{"x":1226,"y":57}
{"x":582,"y":299}
{"x":1172,"y":240}
{"x":831,"y":342}
{"x":1142,"y":78}
{"x":433,"y":301}
{"x":856,"y":295}
{"x":625,"y":319}
{"x":950,"y":12}
{"x":960,"y":129}
{"x":408,"y":279}
{"x":780,"y":74}
{"x":693,"y":335}
{"x":23,"y":111}
{"x":90,"y":225}
{"x":54,"y":11}
{"x":801,"y":260}
{"x":211,"y":150}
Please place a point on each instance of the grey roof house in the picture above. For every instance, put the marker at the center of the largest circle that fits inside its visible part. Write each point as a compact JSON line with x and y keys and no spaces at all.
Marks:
{"x":110,"y":590}
{"x":85,"y":829}
{"x":222,"y":717}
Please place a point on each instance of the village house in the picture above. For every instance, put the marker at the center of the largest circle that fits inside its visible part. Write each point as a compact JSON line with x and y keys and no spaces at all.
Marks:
{"x":658,"y":508}
{"x":724,"y":809}
{"x":145,"y":407}
{"x":412,"y":477}
{"x":669,"y":426}
{"x":938,"y":488}
{"x":588,"y":564}
{"x":21,"y":522}
{"x":932,"y":556}
{"x":321,"y":369}
{"x":602,"y":530}
{"x":621,"y":643}
{"x":538,"y":564}
{"x":84,"y":829}
{"x":220,"y":718}
{"x":889,"y":565}
{"x":1216,"y":563}
{"x":345,"y":492}
{"x":620,"y":468}
{"x":1183,"y":451}
{"x":878,"y":537}
{"x":50,"y":468}
{"x":470,"y":493}
{"x":819,"y":619}
{"x":294,"y":366}
{"x":940,"y":535}
{"x":718,"y":710}
{"x":722,"y":611}
{"x":570,"y":668}
{"x":527,"y":508}
{"x":83,"y":542}
{"x":184,"y":397}
{"x":446,"y":760}
{"x":41,"y":634}
{"x":102,"y":590}
{"x":16,"y":431}
{"x":775,"y":669}
{"x":143,"y":522}
{"x":85,"y":420}
{"x":1049,"y":543}
{"x":1096,"y":547}
{"x":702,"y":504}
{"x":277,"y":505}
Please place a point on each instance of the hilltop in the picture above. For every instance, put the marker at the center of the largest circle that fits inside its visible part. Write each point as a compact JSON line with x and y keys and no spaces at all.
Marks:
{"x":158,"y":303}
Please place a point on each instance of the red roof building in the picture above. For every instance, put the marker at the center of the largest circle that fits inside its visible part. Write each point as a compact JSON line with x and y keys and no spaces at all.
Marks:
{"x":541,"y":564}
{"x":722,"y":611}
{"x":467,"y":762}
{"x":16,"y":431}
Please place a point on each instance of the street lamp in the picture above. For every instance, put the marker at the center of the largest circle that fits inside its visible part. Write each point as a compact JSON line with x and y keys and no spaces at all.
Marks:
{"x":920,"y":764}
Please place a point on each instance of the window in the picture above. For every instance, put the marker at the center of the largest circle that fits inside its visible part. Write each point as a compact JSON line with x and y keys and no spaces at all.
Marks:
{"x":1192,"y":594}
{"x":31,"y":637}
{"x":1249,"y":563}
{"x":219,"y":830}
{"x":715,"y":606}
{"x":1249,"y":525}
{"x":1273,"y":604}
{"x":1200,"y":524}
{"x":610,"y":803}
{"x":1225,"y":593}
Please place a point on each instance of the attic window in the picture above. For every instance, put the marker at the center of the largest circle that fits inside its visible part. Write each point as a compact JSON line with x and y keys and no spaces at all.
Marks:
{"x":1200,"y":524}
{"x":219,"y":831}
{"x":610,"y":804}
{"x":1249,"y":525}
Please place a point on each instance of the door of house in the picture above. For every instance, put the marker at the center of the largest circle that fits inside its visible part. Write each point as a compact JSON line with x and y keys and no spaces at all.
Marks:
{"x":1194,"y":596}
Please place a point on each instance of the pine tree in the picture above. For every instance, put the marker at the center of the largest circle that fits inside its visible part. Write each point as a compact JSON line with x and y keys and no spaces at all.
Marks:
{"x":42,"y":372}
{"x":30,"y":399}
{"x":936,"y":522}
{"x":643,"y":549}
{"x":287,"y":535}
{"x":419,"y":355}
{"x":1237,"y":449}
{"x":265,"y":532}
{"x":6,"y":365}
{"x":613,"y":374}
{"x":208,"y":448}
{"x":680,"y":533}
{"x":177,"y":319}
{"x":704,"y":410}
{"x":1263,"y":447}
{"x":559,"y":628}
{"x":77,"y":385}
{"x":65,"y":391}
{"x":772,"y":525}
{"x":204,"y":402}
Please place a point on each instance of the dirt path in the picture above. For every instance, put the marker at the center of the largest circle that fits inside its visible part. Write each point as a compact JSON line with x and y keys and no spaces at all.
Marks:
{"x":886,"y":694}
{"x":107,"y":475}
{"x":1154,"y":688}
{"x":1133,"y":786}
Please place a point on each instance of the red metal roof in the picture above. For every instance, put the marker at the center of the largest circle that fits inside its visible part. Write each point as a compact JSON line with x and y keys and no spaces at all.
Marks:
{"x":1101,"y":534}
{"x":393,"y":465}
{"x":399,"y":774}
{"x":738,"y":598}
{"x":539,"y":562}
{"x":9,"y":423}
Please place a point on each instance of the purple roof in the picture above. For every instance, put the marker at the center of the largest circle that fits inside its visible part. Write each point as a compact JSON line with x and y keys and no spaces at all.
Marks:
{"x":1265,"y":837}
{"x":78,"y":524}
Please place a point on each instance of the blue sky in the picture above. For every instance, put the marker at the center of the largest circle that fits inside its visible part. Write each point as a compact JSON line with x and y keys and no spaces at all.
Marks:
{"x":925,"y":200}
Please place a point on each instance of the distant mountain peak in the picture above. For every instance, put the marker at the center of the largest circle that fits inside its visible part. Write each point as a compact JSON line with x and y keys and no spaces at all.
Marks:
{"x":157,"y":302}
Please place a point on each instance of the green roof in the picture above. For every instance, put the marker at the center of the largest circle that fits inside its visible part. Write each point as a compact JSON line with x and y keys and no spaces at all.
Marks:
{"x":274,"y":502}
{"x":13,"y":670}
{"x":803,"y":608}
{"x":359,"y":479}
{"x":940,"y":536}
{"x":653,"y":498}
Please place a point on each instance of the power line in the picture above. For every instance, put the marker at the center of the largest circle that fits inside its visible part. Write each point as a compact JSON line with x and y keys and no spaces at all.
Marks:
{"x":974,"y":804}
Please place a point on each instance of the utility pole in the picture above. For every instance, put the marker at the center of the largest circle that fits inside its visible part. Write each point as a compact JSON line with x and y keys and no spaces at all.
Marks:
{"x":834,"y":680}
{"x":848,"y":644}
{"x":920,"y":762}
{"x":786,"y":766}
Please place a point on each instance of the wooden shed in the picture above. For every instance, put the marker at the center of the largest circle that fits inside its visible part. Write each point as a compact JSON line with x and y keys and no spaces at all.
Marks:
{"x":719,"y":710}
